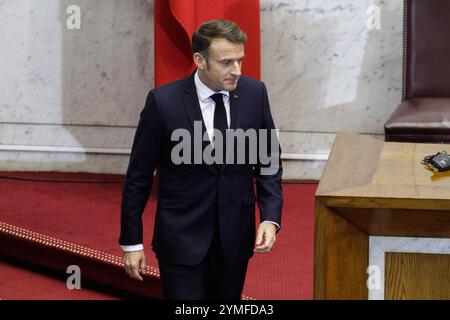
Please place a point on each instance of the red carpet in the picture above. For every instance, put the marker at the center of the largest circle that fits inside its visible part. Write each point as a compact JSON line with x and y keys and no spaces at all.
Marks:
{"x":87,"y":214}
{"x":17,"y":283}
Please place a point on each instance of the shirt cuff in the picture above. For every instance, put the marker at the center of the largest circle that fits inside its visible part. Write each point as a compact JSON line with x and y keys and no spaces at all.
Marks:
{"x":276,"y":224}
{"x":135,"y":247}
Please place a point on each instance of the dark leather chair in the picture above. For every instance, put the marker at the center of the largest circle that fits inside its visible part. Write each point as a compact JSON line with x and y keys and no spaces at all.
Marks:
{"x":424,"y":114}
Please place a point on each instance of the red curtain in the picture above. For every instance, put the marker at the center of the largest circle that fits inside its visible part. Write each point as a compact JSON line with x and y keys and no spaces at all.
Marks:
{"x":176,"y":21}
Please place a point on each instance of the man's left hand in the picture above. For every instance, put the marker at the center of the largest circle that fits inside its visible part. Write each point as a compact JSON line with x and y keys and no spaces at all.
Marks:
{"x":265,"y":238}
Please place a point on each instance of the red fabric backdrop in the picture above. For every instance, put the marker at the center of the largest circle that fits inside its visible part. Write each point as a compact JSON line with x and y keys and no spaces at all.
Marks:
{"x":176,"y":21}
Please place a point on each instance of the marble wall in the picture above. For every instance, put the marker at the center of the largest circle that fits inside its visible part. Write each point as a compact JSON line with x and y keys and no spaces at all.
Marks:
{"x":74,"y":88}
{"x":326,"y":72}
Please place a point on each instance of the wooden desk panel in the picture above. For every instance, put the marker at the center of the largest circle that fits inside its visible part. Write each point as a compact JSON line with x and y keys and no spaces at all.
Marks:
{"x":371,"y":187}
{"x":417,"y":276}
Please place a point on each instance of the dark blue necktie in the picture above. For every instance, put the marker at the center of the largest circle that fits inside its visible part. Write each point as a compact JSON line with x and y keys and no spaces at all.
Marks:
{"x":220,"y":119}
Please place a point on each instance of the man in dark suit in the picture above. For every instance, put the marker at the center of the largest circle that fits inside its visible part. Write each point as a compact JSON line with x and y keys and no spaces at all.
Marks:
{"x":204,"y":231}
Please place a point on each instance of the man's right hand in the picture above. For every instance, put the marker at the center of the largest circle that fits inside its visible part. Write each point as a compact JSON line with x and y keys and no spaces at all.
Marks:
{"x":134,"y":262}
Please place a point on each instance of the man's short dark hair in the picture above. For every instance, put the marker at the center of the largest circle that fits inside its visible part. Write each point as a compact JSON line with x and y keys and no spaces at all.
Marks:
{"x":214,"y":29}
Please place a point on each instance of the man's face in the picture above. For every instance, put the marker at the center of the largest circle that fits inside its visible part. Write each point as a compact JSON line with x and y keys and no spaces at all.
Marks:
{"x":222,"y":69}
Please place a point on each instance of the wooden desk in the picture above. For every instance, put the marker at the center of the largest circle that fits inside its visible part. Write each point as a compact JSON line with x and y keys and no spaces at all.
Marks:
{"x":375,"y":188}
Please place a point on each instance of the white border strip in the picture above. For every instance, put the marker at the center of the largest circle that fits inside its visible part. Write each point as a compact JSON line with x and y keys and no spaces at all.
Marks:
{"x":64,"y":149}
{"x":299,"y":156}
{"x":378,"y":246}
{"x":284,"y":156}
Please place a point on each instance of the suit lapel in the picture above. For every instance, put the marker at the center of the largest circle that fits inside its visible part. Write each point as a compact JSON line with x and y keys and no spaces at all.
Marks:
{"x":235,"y":112}
{"x":194,"y":112}
{"x":235,"y":108}
{"x":192,"y":106}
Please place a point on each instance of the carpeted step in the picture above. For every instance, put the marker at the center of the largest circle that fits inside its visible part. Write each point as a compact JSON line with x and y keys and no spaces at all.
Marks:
{"x":57,"y":255}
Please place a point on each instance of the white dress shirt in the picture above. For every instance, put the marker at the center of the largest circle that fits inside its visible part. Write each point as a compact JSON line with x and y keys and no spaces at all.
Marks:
{"x":207,"y":106}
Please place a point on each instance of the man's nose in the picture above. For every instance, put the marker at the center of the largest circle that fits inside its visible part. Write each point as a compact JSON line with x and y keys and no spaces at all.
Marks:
{"x":236,"y":70}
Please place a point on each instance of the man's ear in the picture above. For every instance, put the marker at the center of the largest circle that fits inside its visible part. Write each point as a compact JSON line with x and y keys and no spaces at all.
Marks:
{"x":200,"y":61}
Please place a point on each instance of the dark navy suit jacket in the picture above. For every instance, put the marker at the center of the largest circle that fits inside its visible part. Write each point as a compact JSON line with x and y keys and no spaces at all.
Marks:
{"x":194,"y":198}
